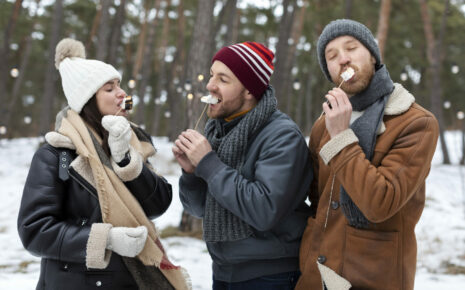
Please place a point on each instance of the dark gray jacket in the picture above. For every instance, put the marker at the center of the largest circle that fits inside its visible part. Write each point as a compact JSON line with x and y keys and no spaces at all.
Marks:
{"x":268,"y":195}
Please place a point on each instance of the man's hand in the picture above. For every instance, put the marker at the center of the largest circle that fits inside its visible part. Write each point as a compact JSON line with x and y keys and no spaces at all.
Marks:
{"x":194,"y":145}
{"x":182,"y":159}
{"x":338,"y":116}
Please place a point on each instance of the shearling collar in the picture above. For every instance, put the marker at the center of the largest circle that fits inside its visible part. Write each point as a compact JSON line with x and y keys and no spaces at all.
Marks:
{"x":58,"y":140}
{"x":399,"y":101}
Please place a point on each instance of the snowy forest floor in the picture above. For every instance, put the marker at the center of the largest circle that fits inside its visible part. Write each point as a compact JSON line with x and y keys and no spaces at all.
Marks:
{"x":440,"y":232}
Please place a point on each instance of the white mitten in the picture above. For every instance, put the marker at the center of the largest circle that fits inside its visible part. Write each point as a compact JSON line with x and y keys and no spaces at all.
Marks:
{"x":127,"y":242}
{"x":119,"y":135}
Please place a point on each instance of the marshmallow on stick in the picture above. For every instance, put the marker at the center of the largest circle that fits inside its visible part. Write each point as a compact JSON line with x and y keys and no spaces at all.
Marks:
{"x":126,"y":104}
{"x":209,"y":99}
{"x":347,"y":75}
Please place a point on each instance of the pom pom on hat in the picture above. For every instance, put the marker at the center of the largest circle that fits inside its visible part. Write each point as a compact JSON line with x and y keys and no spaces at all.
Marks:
{"x":81,"y":78}
{"x":68,"y":48}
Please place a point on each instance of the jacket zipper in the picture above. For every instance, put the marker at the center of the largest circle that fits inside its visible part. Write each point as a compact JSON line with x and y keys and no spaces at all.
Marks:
{"x":82,"y":183}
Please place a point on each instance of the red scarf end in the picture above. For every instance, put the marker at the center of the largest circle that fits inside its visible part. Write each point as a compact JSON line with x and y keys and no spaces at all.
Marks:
{"x":166,"y":265}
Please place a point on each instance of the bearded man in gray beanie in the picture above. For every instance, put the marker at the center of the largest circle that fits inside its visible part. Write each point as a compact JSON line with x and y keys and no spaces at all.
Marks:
{"x":371,"y":151}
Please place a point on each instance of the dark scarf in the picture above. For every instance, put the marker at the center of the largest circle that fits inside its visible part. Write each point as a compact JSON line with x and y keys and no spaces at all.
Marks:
{"x":372,"y":101}
{"x":219,"y":224}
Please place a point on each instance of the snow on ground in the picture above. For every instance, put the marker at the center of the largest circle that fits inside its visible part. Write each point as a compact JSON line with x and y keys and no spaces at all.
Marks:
{"x":440,"y":232}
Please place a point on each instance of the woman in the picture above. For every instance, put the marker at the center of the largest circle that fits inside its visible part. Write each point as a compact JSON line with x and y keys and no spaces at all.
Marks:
{"x":91,"y":192}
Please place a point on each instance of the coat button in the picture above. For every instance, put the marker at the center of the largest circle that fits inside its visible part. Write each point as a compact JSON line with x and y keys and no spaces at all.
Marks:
{"x":321,"y":259}
{"x":98,"y":283}
{"x":334,"y":204}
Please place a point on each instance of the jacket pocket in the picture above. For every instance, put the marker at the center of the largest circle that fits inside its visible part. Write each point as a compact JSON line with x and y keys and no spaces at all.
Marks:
{"x":370,"y":259}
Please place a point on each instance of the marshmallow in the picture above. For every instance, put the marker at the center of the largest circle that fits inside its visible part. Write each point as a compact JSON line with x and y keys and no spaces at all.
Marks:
{"x":347,"y":74}
{"x":209,"y":99}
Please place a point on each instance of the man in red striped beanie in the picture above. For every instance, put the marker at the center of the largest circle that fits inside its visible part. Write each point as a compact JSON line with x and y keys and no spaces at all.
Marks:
{"x":247,"y":177}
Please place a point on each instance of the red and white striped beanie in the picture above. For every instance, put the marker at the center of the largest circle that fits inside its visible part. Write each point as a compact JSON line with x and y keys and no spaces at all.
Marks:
{"x":251,"y":63}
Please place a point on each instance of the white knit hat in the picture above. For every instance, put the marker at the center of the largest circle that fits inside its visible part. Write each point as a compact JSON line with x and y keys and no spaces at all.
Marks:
{"x":80,"y":77}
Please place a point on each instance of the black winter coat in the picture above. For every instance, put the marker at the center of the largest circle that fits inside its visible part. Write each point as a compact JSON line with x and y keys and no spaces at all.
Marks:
{"x":55,"y":219}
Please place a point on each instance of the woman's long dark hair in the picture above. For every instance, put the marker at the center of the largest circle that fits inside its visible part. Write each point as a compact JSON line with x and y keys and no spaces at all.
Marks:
{"x":92,"y":116}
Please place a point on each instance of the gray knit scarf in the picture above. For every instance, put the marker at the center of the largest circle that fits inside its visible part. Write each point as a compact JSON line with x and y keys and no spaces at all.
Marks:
{"x":219,"y":224}
{"x":372,"y":101}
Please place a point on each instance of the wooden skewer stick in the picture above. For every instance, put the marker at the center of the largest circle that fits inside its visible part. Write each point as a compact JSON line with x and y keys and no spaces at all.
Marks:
{"x":118,"y":111}
{"x":201,"y":115}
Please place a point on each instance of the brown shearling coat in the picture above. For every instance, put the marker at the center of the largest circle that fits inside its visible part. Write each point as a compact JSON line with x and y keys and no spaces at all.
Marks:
{"x":389,"y":190}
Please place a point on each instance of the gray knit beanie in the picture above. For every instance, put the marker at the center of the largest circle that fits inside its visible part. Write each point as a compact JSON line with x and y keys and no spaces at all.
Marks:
{"x":342,"y":27}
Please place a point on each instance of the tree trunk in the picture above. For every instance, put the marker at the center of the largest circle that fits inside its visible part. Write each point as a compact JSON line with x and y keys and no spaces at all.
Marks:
{"x":348,"y":9}
{"x":308,"y":104}
{"x":281,"y":75}
{"x":116,"y":32}
{"x":190,"y":224}
{"x":235,"y":27}
{"x":383,"y":25}
{"x":50,"y":71}
{"x":434,"y":59}
{"x":141,"y":44}
{"x":297,"y":26}
{"x":19,"y":80}
{"x":103,"y":31}
{"x":93,"y":30}
{"x":146,"y":69}
{"x":228,"y":11}
{"x":199,"y":57}
{"x":174,"y":98}
{"x":5,"y":51}
{"x":231,"y":14}
{"x":162,"y":71}
{"x":198,"y":63}
{"x":462,"y":160}
{"x":217,"y":25}
{"x":298,"y":111}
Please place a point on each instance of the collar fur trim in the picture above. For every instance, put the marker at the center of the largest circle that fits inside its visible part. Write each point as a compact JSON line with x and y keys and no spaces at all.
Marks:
{"x":58,"y":140}
{"x":399,"y":101}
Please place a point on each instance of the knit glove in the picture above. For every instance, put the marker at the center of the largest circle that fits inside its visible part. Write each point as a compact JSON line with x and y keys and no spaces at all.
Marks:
{"x":127,"y":242}
{"x":119,"y":135}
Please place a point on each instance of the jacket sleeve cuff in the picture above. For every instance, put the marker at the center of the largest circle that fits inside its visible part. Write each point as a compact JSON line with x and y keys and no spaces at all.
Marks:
{"x":208,"y":166}
{"x":97,"y":256}
{"x":189,"y":180}
{"x":336,"y":144}
{"x":130,"y":171}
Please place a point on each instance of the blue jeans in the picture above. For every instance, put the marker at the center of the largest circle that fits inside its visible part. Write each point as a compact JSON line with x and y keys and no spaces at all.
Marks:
{"x":281,"y":281}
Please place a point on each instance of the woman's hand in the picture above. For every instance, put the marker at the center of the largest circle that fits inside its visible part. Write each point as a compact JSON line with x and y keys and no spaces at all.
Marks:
{"x":119,"y":135}
{"x":127,"y":242}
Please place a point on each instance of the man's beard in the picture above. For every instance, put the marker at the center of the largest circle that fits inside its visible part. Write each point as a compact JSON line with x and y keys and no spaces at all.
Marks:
{"x":362,"y":80}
